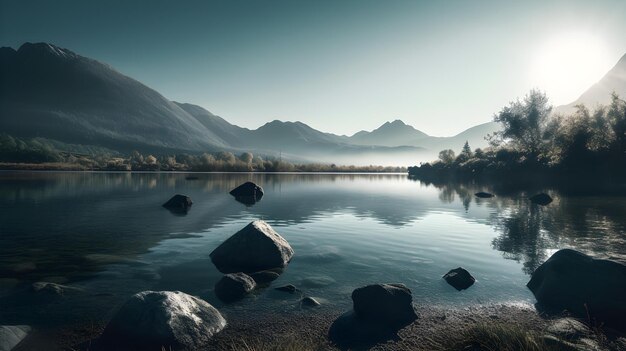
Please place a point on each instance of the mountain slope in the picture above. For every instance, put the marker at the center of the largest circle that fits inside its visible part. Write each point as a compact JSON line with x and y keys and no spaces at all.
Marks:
{"x":233,"y":135}
{"x":600,"y":93}
{"x":47,"y":91}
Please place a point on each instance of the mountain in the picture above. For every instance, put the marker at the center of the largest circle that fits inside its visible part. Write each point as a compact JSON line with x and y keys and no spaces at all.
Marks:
{"x":233,"y":135}
{"x":395,"y":133}
{"x":600,"y":93}
{"x":51,"y":92}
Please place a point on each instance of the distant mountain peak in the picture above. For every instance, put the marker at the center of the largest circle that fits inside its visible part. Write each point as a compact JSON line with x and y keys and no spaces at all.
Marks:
{"x":47,"y":49}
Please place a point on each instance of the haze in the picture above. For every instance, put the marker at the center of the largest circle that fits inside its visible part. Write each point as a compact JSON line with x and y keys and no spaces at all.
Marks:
{"x":339,"y":66}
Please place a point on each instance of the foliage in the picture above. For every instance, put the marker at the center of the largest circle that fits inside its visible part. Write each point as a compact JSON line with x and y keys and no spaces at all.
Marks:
{"x":446,"y":156}
{"x":23,"y":153}
{"x":585,"y":143}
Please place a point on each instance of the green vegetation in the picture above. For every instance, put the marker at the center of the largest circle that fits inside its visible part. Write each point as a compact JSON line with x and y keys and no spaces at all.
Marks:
{"x":533,"y":141}
{"x":45,"y":154}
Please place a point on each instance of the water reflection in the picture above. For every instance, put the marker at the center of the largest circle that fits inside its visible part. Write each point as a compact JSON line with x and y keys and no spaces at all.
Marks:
{"x":590,"y":219}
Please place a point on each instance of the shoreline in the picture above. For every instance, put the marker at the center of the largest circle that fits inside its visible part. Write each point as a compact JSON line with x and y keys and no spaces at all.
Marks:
{"x":437,"y":328}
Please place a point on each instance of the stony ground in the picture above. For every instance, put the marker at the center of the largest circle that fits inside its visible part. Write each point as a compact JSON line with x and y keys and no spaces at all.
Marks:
{"x":437,"y":328}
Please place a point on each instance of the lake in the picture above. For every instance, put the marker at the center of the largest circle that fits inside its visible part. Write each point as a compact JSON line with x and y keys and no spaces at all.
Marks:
{"x":107,"y":234}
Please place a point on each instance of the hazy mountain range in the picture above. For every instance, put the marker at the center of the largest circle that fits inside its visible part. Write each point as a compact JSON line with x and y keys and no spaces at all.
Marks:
{"x":54,"y":93}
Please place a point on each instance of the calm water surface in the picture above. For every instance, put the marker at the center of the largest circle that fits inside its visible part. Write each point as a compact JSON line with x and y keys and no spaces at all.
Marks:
{"x":108,"y":234}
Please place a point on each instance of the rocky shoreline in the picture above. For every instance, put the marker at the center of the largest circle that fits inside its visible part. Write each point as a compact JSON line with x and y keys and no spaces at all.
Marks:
{"x":437,"y":328}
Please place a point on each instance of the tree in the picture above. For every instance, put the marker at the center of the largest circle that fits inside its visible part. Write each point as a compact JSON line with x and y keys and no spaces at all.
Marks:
{"x":246,"y":157}
{"x":466,"y":153}
{"x":525,"y":122}
{"x":617,"y":120}
{"x":446,"y":156}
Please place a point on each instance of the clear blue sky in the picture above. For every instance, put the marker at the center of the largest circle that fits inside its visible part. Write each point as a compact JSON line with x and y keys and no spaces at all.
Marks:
{"x":339,"y":66}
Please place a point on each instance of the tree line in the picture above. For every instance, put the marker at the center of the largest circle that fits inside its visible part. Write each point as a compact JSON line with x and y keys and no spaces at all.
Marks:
{"x":535,"y":141}
{"x":24,"y":153}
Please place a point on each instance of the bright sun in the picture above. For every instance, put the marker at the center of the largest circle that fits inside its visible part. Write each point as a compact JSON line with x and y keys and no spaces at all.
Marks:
{"x":565,"y":65}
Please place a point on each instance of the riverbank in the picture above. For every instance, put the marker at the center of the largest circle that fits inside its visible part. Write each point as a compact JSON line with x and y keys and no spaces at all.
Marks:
{"x":437,"y":328}
{"x":297,"y":168}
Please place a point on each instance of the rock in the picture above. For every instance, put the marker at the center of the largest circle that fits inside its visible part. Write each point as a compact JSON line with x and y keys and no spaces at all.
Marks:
{"x":287,"y":288}
{"x":12,"y":335}
{"x":379,"y":311}
{"x":178,"y":203}
{"x":234,"y":286}
{"x":264,"y":277}
{"x":163,"y":319}
{"x":351,"y":332}
{"x":53,"y":289}
{"x":459,"y":278}
{"x":254,"y":248}
{"x":484,"y":195}
{"x":247,"y":193}
{"x":317,"y":281}
{"x":541,"y":199}
{"x":568,"y":328}
{"x":309,"y":302}
{"x":570,"y":280}
{"x":391,"y":304}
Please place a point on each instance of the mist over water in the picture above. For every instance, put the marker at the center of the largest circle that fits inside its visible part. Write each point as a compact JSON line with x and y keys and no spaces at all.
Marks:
{"x":107,"y":233}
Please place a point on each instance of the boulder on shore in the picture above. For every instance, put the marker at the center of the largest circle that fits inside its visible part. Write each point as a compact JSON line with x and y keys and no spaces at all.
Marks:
{"x":542,"y":199}
{"x":379,"y":311}
{"x":12,"y":335}
{"x":459,"y":278}
{"x":585,"y":286}
{"x":248,"y":193}
{"x":287,"y":288}
{"x":178,"y":203}
{"x":254,"y":248}
{"x":391,"y":304}
{"x":163,"y":319}
{"x":483,"y":195}
{"x":234,"y":286}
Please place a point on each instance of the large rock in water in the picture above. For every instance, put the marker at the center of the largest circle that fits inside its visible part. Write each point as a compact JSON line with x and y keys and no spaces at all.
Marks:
{"x":12,"y":335}
{"x":254,"y":248}
{"x":178,"y":203}
{"x":542,"y":199}
{"x":582,"y":285}
{"x":379,"y":311}
{"x":234,"y":286}
{"x":169,"y":319}
{"x":483,"y":195}
{"x":248,"y":193}
{"x":459,"y":278}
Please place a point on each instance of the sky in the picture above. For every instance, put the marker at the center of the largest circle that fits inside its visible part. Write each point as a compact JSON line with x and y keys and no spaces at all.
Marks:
{"x":339,"y":66}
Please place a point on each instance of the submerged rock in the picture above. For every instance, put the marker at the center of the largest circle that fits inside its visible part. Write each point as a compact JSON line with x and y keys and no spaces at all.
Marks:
{"x":459,"y":278}
{"x":178,"y":203}
{"x":287,"y":288}
{"x":264,"y":277}
{"x":379,"y":311}
{"x":542,"y":199}
{"x":570,"y":280}
{"x":308,"y":301}
{"x":234,"y":286}
{"x":484,"y":195}
{"x":163,"y":319}
{"x":254,"y":248}
{"x":247,"y":193}
{"x":12,"y":335}
{"x":54,"y":289}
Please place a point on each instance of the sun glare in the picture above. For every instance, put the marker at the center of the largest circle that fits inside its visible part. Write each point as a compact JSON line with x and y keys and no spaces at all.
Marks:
{"x":565,"y":65}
